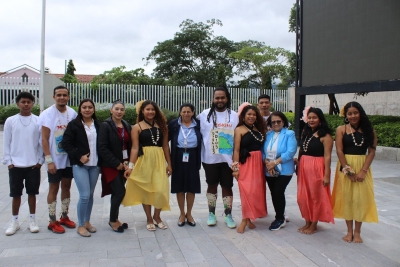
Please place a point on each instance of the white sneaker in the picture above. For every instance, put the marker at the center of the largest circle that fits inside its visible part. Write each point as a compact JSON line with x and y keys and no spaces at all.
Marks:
{"x":33,"y":226}
{"x":12,"y":228}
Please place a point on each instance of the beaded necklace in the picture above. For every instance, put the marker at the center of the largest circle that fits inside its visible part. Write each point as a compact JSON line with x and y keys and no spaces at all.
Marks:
{"x":152,"y":137}
{"x":306,"y":142}
{"x":250,"y":129}
{"x":354,"y":139}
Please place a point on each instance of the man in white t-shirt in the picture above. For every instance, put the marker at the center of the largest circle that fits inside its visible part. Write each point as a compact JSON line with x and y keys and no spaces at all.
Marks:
{"x":264,"y":105}
{"x":217,"y":126}
{"x":53,"y":121}
{"x":23,"y":155}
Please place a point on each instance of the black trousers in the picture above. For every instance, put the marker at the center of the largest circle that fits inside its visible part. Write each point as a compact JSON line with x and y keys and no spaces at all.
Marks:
{"x":277,"y":186}
{"x":118,"y":193}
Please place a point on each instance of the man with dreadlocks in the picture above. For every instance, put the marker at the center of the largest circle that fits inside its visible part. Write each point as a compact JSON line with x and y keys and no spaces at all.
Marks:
{"x":217,"y":126}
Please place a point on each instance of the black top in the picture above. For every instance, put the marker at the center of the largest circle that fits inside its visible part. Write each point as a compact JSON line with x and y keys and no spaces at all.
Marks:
{"x":315,"y":147}
{"x":248,"y":144}
{"x":145,"y":137}
{"x":350,"y":148}
{"x":75,"y":141}
{"x":109,"y":143}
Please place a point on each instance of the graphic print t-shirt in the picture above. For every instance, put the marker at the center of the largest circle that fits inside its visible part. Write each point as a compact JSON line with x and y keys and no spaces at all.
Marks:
{"x":217,"y":141}
{"x":57,"y":123}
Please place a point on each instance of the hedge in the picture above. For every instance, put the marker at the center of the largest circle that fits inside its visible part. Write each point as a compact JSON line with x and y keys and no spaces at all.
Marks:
{"x":387,"y":127}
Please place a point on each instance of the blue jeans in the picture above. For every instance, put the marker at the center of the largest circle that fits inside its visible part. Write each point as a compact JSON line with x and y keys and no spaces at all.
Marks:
{"x":85,"y":180}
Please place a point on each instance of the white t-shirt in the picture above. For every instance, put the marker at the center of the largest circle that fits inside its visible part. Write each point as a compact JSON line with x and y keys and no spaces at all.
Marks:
{"x":22,"y":141}
{"x":57,"y":122}
{"x":217,"y":144}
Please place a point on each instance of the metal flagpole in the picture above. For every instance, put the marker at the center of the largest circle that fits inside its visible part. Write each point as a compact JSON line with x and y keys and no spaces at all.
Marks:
{"x":41,"y":88}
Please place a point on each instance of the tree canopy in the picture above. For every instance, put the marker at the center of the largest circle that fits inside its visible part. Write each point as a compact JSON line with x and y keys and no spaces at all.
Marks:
{"x":194,"y":56}
{"x":260,"y":64}
{"x":119,"y":75}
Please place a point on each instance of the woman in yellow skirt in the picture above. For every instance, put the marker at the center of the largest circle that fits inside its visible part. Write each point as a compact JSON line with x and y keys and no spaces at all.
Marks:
{"x":150,"y":164}
{"x":353,"y":192}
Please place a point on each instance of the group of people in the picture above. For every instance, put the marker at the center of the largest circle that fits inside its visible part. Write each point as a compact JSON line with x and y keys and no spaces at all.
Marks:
{"x":254,"y":146}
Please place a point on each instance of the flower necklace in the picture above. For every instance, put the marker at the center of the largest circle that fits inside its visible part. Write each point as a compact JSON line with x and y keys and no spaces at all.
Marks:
{"x":354,"y":139}
{"x":23,"y":123}
{"x":250,"y":129}
{"x":152,"y":137}
{"x":307,"y":142}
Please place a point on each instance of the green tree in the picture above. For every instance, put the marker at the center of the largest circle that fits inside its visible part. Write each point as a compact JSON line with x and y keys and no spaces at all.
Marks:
{"x":260,"y":64}
{"x":71,"y":68}
{"x":292,"y":18}
{"x":119,"y":75}
{"x":69,"y":77}
{"x":194,"y":55}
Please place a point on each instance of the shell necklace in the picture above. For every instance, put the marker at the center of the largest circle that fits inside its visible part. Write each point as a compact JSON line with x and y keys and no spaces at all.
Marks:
{"x":250,"y":129}
{"x":354,"y":139}
{"x":306,"y":142}
{"x":152,"y":137}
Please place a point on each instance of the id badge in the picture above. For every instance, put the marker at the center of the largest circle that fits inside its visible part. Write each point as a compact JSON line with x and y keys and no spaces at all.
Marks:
{"x":124,"y":154}
{"x":58,"y":137}
{"x":185,"y":157}
{"x":271,"y":155}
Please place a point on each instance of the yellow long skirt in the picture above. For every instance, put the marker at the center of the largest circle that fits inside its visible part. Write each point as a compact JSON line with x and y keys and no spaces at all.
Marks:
{"x":354,"y":200}
{"x":148,"y":183}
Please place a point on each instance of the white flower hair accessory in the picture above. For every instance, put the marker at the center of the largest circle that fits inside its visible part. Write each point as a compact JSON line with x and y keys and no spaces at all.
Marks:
{"x":305,"y":113}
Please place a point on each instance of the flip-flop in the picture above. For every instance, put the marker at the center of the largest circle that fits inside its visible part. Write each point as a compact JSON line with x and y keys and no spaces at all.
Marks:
{"x":160,"y":225}
{"x":151,"y":227}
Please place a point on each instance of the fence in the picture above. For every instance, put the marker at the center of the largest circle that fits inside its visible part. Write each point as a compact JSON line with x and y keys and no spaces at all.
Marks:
{"x":167,"y":97}
{"x":10,"y":87}
{"x":170,"y":97}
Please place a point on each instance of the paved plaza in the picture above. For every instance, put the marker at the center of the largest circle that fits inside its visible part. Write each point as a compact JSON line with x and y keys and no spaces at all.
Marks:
{"x":203,"y":245}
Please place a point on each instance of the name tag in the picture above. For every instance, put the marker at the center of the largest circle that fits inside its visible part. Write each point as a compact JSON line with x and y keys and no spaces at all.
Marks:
{"x":185,"y":157}
{"x":271,"y":155}
{"x":124,"y":154}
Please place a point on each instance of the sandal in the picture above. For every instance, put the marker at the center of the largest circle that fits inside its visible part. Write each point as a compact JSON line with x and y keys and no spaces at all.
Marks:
{"x":160,"y":225}
{"x":84,"y":234}
{"x":91,"y":229}
{"x":150,"y":227}
{"x":120,"y":229}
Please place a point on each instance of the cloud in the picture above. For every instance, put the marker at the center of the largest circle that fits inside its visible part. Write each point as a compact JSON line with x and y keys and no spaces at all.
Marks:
{"x":99,"y":35}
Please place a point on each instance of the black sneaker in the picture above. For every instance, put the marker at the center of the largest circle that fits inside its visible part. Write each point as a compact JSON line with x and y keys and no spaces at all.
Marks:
{"x":277,"y":224}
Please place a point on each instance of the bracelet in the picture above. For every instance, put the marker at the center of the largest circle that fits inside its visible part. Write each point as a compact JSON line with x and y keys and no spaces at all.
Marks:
{"x":131,"y":165}
{"x":364,"y":170}
{"x":48,"y":159}
{"x":235,"y":166}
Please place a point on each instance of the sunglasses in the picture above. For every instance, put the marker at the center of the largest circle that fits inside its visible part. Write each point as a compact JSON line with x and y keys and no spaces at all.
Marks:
{"x":276,"y":122}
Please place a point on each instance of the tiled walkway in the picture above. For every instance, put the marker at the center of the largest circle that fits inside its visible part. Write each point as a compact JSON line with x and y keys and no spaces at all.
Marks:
{"x":203,"y":245}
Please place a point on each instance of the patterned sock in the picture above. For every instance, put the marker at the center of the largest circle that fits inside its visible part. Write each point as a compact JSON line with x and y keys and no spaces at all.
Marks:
{"x":52,"y":211}
{"x":227,"y":204}
{"x":15,"y":218}
{"x":32,"y":216}
{"x":212,"y":201}
{"x":65,"y":206}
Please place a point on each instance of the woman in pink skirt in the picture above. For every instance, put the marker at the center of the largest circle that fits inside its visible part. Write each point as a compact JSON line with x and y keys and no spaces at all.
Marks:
{"x":247,"y":164}
{"x":314,"y":171}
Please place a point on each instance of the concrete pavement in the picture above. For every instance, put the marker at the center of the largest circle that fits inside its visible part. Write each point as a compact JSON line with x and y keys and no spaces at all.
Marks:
{"x":203,"y":245}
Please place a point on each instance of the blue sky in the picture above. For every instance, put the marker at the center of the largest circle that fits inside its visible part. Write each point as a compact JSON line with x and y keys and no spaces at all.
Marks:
{"x":99,"y":35}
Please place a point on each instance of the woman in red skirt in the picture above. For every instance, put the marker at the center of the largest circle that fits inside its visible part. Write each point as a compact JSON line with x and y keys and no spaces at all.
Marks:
{"x":247,"y":164}
{"x":314,"y":171}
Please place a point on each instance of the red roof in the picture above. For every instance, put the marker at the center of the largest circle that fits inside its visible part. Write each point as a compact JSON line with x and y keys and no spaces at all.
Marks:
{"x":82,"y":78}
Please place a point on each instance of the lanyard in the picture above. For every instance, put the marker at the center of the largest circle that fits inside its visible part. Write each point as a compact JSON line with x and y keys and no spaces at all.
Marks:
{"x":273,"y":141}
{"x":185,"y":137}
{"x":122,"y":134}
